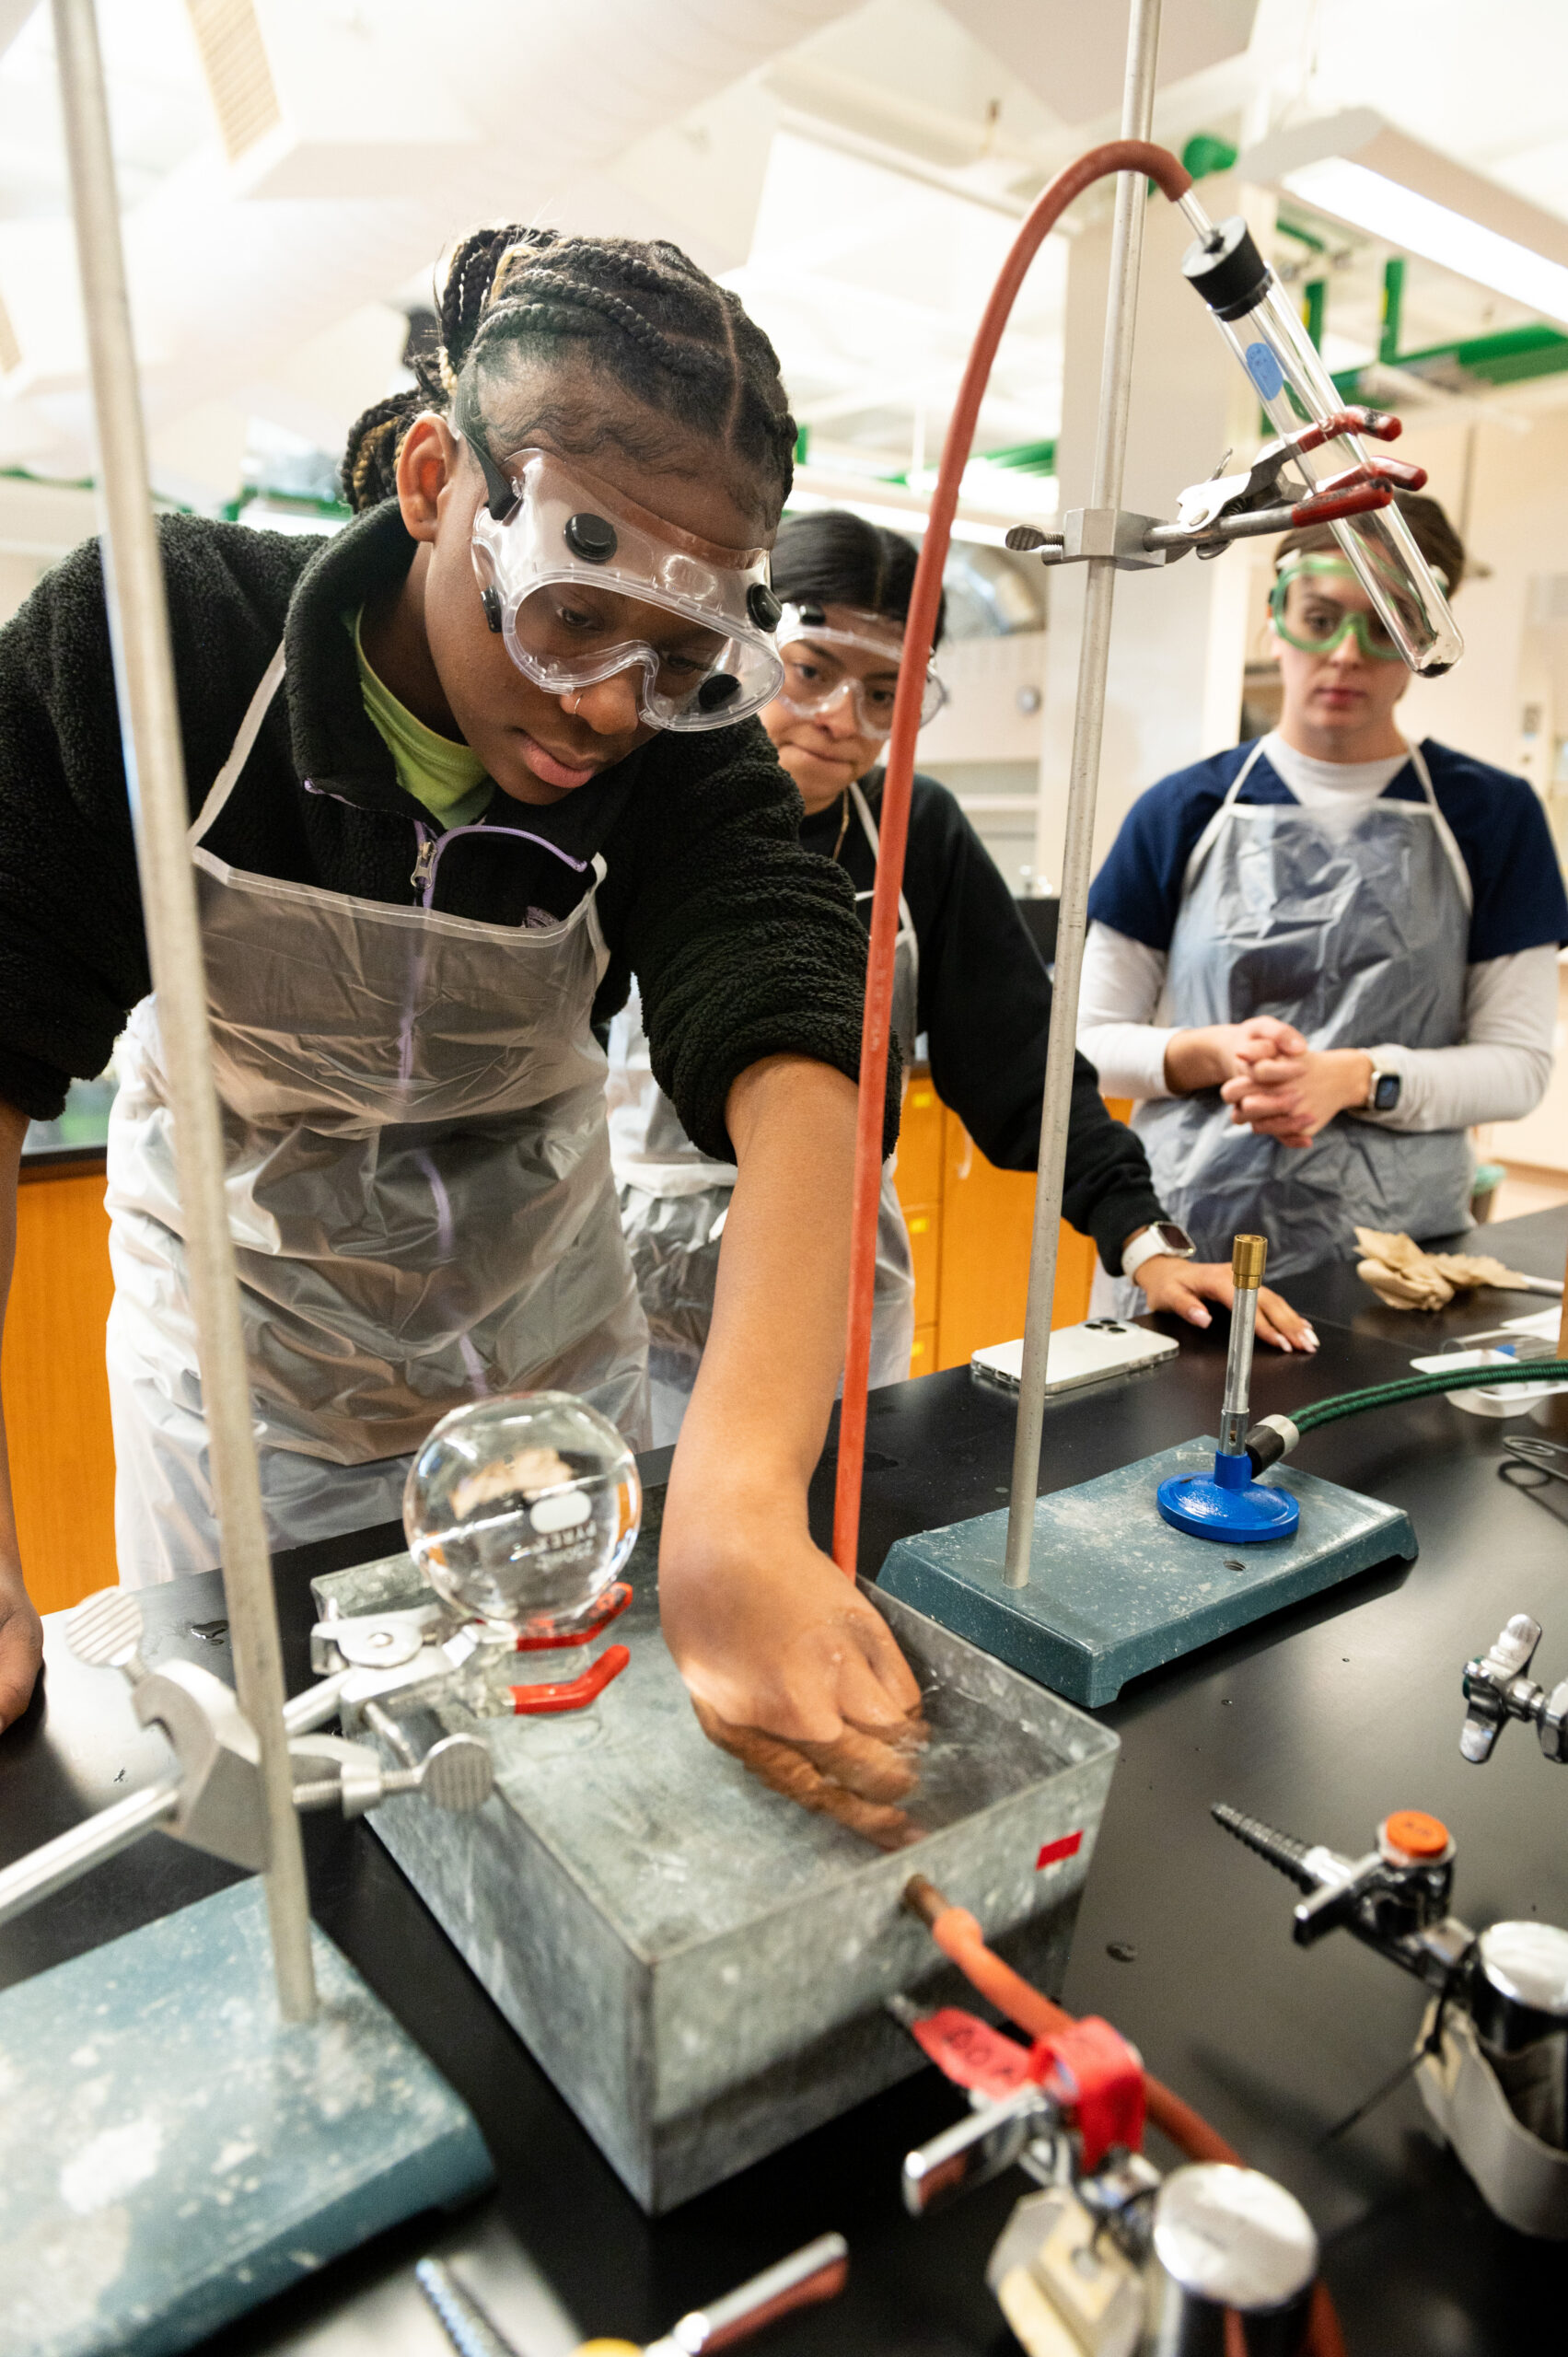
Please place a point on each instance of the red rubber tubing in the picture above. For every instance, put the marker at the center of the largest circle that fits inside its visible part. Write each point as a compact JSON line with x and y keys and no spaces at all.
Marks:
{"x":960,"y":1939}
{"x":1114,"y":155}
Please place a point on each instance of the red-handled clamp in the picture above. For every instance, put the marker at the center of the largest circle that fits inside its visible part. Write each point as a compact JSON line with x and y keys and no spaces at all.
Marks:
{"x":609,"y":1607}
{"x":1377,"y":423}
{"x":570,"y":1693}
{"x":1094,"y":2074}
{"x":1400,"y":475}
{"x":1325,"y":507}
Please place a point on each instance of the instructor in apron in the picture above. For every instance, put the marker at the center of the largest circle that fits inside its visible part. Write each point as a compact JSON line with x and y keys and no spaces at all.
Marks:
{"x":1319,"y":958}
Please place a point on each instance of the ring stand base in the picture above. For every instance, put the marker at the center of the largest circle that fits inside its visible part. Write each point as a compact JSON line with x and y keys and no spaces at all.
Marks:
{"x":172,"y":2153}
{"x":1115,"y":1590}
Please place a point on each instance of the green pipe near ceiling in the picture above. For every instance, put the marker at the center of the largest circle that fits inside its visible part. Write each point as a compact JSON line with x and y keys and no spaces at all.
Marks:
{"x":1512,"y":357}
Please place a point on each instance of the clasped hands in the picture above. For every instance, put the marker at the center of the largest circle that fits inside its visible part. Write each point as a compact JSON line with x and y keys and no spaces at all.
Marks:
{"x":1274,"y":1081}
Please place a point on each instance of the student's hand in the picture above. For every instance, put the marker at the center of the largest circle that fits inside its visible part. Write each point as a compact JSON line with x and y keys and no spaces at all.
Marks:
{"x":791,"y":1670}
{"x":1183,"y":1286}
{"x":1292,"y":1098}
{"x":1218,"y":1053}
{"x":21,"y":1644}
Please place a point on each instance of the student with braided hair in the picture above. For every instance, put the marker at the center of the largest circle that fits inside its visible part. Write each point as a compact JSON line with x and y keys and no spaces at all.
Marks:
{"x":454,"y":774}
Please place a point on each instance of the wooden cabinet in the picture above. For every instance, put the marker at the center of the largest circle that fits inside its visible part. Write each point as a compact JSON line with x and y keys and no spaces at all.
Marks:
{"x":56,"y":1391}
{"x":970,"y":1227}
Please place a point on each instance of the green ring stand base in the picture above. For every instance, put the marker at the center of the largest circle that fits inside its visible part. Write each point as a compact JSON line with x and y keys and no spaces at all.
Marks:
{"x":1114,"y":1590}
{"x":172,"y":2153}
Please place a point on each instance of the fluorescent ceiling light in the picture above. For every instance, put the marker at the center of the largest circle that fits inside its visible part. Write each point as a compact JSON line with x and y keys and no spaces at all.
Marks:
{"x":1357,"y":169}
{"x":1011,"y":491}
{"x":909,"y":516}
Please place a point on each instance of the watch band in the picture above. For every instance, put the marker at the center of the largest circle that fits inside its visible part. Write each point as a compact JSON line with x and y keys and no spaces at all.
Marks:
{"x":1148,"y":1245}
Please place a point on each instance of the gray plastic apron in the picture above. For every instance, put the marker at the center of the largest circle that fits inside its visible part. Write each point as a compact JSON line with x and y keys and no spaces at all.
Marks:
{"x":1352,"y":925}
{"x":419,"y":1191}
{"x":675,"y":1200}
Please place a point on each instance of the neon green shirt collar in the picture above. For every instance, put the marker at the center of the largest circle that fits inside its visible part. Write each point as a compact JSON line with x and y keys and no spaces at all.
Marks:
{"x":447,"y":775}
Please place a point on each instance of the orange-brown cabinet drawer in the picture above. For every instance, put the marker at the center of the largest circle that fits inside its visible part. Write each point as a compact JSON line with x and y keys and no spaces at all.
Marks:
{"x":918,"y":1172}
{"x":922,"y":1221}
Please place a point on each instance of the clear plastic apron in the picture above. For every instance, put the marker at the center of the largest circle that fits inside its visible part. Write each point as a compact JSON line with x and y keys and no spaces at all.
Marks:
{"x":675,"y":1200}
{"x":1352,"y":925}
{"x":419,"y":1189}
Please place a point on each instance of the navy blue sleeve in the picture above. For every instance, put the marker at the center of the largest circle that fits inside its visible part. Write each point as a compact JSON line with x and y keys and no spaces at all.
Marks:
{"x":1502,"y":832}
{"x":1138,"y":890}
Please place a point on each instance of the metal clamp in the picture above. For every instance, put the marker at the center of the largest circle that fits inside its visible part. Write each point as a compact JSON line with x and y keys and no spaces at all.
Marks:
{"x":214,"y":1798}
{"x":410,"y":1657}
{"x":1209,"y":516}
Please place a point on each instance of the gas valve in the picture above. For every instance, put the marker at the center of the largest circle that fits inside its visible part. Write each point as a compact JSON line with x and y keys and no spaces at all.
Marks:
{"x":1497,"y":1687}
{"x":1492,"y":2057}
{"x":1108,"y":2259}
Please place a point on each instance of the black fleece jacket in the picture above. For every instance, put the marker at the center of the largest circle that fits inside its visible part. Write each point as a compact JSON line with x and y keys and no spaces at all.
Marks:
{"x":745,"y":945}
{"x":985,"y":1009}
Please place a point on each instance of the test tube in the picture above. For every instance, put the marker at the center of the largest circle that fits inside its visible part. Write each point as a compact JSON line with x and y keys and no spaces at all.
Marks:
{"x":1251,"y":312}
{"x":1247,"y":1257}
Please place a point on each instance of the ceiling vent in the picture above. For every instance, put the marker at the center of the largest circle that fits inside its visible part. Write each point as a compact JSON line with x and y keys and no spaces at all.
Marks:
{"x":278,"y":71}
{"x":234,"y":60}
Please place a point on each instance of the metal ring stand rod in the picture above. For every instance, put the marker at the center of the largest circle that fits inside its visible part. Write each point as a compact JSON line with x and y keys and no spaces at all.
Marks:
{"x":149,"y":719}
{"x":1110,"y":450}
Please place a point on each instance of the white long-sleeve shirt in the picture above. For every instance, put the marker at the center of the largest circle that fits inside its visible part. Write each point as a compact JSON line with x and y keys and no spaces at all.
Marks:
{"x":1497,"y":1073}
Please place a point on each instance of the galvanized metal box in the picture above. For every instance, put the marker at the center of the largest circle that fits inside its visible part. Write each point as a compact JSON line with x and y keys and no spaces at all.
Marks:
{"x":701,"y":1967}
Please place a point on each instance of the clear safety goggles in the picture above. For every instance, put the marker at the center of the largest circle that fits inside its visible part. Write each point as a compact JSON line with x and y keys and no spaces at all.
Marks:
{"x":1307,"y":618}
{"x":583,"y":585}
{"x":818,"y":676}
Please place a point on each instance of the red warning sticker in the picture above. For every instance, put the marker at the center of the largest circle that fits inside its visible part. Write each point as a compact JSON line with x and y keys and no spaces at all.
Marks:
{"x":1052,"y":1852}
{"x":972,"y":2054}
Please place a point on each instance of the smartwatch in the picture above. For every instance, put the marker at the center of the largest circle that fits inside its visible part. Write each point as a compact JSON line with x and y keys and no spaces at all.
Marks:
{"x":1383,"y":1091}
{"x":1162,"y":1237}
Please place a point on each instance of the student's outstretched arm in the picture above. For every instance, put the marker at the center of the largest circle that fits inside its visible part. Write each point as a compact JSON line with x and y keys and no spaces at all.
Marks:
{"x":21,"y":1635}
{"x":787,"y":1666}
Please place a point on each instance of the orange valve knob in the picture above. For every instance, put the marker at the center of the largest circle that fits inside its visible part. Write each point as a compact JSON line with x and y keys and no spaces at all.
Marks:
{"x":1410,"y":1835}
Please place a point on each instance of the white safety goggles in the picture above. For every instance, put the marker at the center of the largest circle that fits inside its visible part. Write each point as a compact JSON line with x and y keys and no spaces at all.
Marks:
{"x":817,"y":676}
{"x":583,"y":585}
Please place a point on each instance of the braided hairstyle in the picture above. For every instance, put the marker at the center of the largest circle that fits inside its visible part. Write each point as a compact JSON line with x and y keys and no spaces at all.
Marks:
{"x":836,"y":558}
{"x":643,"y":314}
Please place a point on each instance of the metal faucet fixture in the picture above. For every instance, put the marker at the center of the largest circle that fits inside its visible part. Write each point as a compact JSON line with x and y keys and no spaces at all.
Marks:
{"x":1395,"y":1898}
{"x":1498,"y":1686}
{"x":1107,"y":2255}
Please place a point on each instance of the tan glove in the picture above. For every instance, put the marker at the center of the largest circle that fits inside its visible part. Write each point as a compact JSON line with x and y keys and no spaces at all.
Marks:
{"x":860,"y":1779}
{"x":1464,"y":1268}
{"x":1405,"y":1277}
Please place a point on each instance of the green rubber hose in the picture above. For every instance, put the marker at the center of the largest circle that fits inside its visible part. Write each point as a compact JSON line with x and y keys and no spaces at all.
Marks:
{"x":1268,"y":1442}
{"x":1419,"y":1387}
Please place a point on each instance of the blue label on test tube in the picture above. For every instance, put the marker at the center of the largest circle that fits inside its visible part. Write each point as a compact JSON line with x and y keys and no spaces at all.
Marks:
{"x":1264,"y":370}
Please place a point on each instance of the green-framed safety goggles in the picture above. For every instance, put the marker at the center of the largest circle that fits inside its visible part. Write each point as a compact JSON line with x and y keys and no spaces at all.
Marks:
{"x":1320,"y":625}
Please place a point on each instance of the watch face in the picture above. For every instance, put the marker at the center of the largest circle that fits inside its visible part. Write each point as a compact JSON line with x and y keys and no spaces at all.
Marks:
{"x":1386,"y":1095}
{"x":1173,"y":1238}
